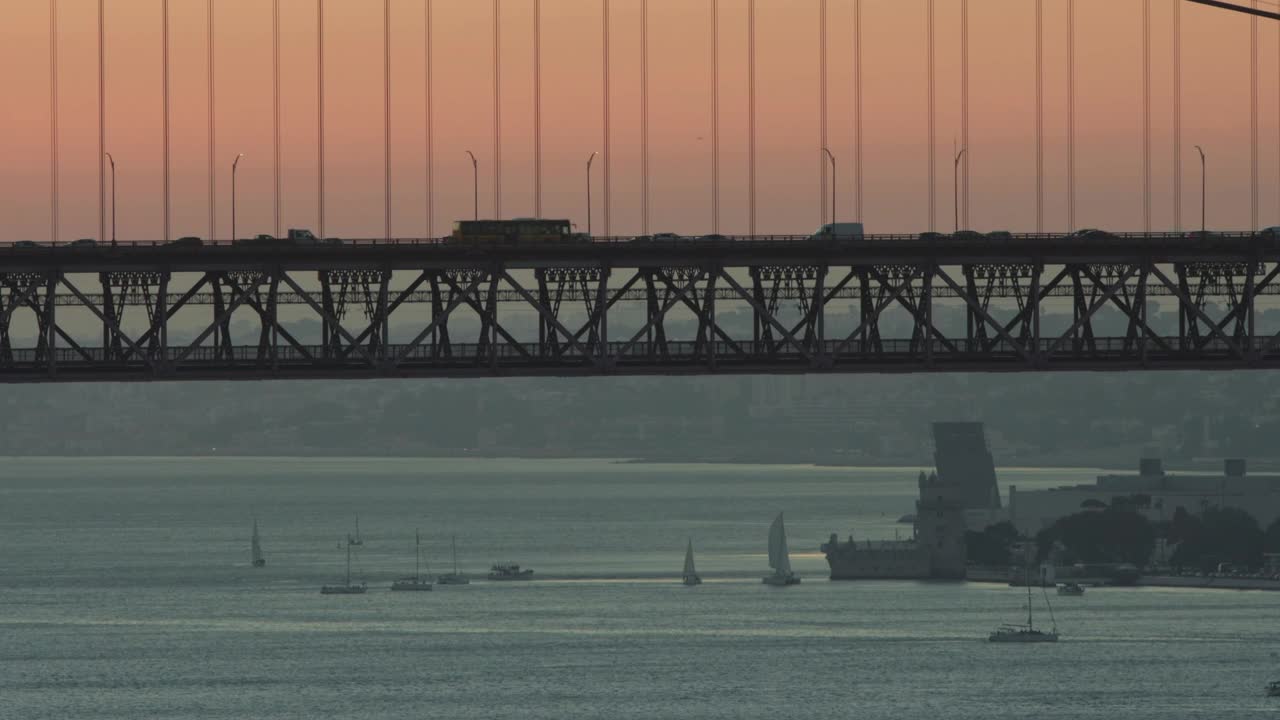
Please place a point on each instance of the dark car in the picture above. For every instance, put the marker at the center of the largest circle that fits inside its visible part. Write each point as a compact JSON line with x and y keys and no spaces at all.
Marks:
{"x":27,"y":244}
{"x":1000,"y":235}
{"x":1093,"y":234}
{"x":932,"y":236}
{"x":641,"y":239}
{"x":714,"y":237}
{"x":186,"y":242}
{"x":968,"y":235}
{"x":84,"y":243}
{"x":668,"y":237}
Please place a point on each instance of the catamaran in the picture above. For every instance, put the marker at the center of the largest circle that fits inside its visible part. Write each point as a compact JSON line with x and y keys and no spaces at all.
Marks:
{"x":346,"y":588}
{"x":690,"y":574}
{"x":1027,"y":633}
{"x":455,"y":577}
{"x":779,"y":557}
{"x":417,"y":582}
{"x":255,"y":547}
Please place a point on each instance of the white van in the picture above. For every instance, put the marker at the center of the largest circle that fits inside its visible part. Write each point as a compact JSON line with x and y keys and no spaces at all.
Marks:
{"x":843,"y":231}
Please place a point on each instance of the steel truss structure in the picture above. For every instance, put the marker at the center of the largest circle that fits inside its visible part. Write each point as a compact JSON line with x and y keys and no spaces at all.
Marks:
{"x":433,"y":309}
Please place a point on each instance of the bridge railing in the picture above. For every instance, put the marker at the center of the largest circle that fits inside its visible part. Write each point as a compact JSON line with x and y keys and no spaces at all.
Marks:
{"x":336,"y":245}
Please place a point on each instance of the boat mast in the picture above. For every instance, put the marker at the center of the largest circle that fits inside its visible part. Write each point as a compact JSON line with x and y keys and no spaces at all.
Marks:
{"x":455,"y":554}
{"x":348,"y":562}
{"x":1027,"y":577}
{"x":417,"y":544}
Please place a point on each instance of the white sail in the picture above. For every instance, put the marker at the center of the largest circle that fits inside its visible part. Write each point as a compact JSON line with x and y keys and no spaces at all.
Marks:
{"x":779,"y":558}
{"x":256,"y":544}
{"x":689,"y":571}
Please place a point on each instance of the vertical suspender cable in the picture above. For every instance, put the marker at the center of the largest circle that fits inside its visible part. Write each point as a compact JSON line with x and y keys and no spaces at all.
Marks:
{"x":386,"y":118}
{"x":497,"y":109}
{"x":1177,"y":115}
{"x":430,"y":119}
{"x":930,"y":88}
{"x":320,"y":159}
{"x":857,"y":110}
{"x":606,"y":129}
{"x":714,"y":115}
{"x":164,"y":32}
{"x":644,"y":117}
{"x":964,"y":110}
{"x":53,"y":120}
{"x":1040,"y":115}
{"x":537,"y":109}
{"x":275,"y":115}
{"x":751,"y":117}
{"x":102,"y":122}
{"x":822,"y":112}
{"x":1146,"y":115}
{"x":213,"y":120}
{"x":1070,"y":114}
{"x":1253,"y":118}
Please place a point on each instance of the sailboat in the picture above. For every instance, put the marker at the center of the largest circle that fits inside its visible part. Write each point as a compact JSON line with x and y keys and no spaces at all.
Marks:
{"x":1027,"y":633}
{"x":779,"y":557}
{"x":455,"y":577}
{"x":347,"y":588}
{"x":255,"y":546}
{"x":416,"y":582}
{"x":356,"y":539}
{"x":690,"y":574}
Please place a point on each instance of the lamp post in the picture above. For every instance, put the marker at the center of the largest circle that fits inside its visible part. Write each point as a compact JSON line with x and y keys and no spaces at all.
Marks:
{"x":113,"y":198}
{"x":833,"y":189}
{"x":589,"y":160}
{"x":955,"y":183}
{"x":234,"y":164}
{"x":1204,"y":177}
{"x":475,"y":185}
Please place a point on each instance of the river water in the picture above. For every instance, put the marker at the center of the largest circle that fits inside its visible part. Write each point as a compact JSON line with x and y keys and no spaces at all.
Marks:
{"x":126,"y":592}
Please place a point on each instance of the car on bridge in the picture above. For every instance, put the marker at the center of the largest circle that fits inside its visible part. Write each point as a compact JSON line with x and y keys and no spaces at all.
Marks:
{"x":27,"y":244}
{"x":1093,"y":234}
{"x":185,"y":242}
{"x":839,"y":231}
{"x":83,"y":243}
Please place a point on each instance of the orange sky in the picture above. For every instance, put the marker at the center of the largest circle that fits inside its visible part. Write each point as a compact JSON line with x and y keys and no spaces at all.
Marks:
{"x":1216,"y":101}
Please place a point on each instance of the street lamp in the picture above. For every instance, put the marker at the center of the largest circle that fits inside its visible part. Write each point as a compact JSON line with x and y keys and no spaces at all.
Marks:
{"x":113,"y":198}
{"x":475,"y":185}
{"x":1204,"y":176}
{"x":955,"y":184}
{"x":589,"y":160}
{"x":235,"y":163}
{"x":833,"y":189}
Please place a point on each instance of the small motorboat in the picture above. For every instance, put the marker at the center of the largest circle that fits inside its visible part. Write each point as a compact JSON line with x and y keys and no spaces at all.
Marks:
{"x":1071,"y":589}
{"x":509,"y":571}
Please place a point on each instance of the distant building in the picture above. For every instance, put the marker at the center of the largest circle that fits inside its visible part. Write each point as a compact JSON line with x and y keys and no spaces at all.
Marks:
{"x":963,"y":459}
{"x":936,"y":551}
{"x":1154,"y":493}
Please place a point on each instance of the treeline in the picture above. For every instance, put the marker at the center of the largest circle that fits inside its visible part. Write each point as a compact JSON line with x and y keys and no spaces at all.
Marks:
{"x":1120,"y":533}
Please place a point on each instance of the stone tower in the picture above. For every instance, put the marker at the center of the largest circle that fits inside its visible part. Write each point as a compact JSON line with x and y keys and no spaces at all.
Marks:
{"x":940,"y":525}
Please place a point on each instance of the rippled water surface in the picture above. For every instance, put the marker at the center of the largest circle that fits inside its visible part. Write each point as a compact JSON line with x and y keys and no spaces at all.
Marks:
{"x":126,"y":592}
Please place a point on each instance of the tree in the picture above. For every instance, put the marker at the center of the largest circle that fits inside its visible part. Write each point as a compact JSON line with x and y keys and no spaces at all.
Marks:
{"x":1113,"y":535}
{"x":1216,"y":536}
{"x":991,"y":546}
{"x":1271,"y":543}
